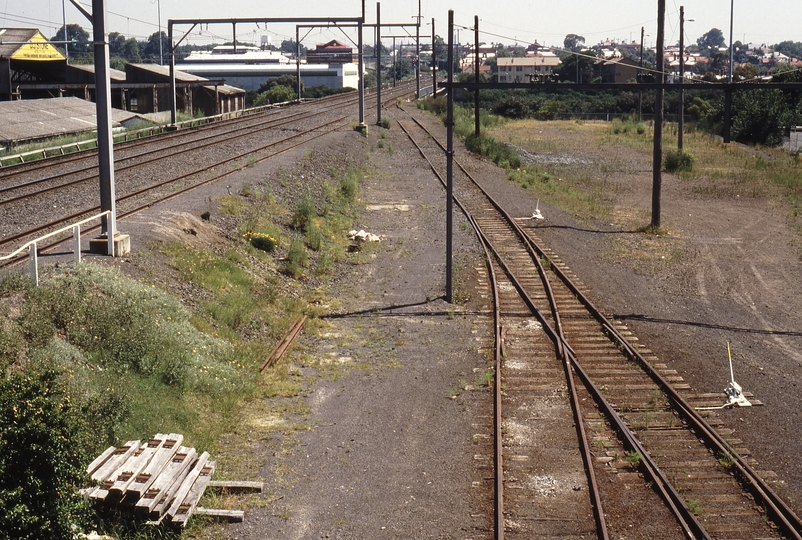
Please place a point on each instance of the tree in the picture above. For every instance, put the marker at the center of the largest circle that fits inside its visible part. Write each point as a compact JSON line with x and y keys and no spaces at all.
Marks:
{"x":75,"y":33}
{"x":789,"y":48}
{"x":403,"y":68}
{"x":41,"y":458}
{"x":519,"y":52}
{"x":567,"y":70}
{"x":290,"y":46}
{"x":151,"y":50}
{"x":573,"y":42}
{"x":713,"y":39}
{"x":745,"y":72}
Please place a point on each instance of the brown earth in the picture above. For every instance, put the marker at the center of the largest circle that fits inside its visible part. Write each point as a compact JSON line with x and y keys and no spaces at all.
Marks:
{"x":382,"y":442}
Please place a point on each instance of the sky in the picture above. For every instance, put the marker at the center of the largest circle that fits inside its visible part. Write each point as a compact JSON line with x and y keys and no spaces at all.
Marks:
{"x":506,"y":21}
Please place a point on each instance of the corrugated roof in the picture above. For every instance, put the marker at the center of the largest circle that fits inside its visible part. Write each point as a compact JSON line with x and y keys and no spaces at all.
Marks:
{"x":27,"y":44}
{"x":41,"y":118}
{"x":164,"y":71}
{"x":226,"y":89}
{"x":11,"y":37}
{"x":115,"y":75}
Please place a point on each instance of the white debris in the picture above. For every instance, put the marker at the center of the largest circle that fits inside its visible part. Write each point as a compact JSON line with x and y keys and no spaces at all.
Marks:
{"x":363,"y":236}
{"x":536,"y":214}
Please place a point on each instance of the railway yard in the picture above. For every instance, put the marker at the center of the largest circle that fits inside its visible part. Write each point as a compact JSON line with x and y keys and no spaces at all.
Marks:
{"x":574,"y":389}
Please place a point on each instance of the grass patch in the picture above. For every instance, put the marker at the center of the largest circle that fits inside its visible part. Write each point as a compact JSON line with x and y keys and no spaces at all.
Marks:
{"x":678,"y":161}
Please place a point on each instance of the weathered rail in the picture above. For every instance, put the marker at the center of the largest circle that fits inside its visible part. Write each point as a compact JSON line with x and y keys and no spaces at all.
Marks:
{"x":643,"y":430}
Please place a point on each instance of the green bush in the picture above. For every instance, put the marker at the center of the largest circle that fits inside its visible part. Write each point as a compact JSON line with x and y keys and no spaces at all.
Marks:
{"x":304,"y":214}
{"x":386,"y":122}
{"x":501,"y":154}
{"x":314,"y":237}
{"x":297,"y":259}
{"x":262,"y":241}
{"x":41,"y":461}
{"x":349,"y":187}
{"x":678,"y":161}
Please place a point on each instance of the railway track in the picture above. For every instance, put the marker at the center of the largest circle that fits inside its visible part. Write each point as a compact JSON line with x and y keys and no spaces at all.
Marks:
{"x":593,"y":438}
{"x":37,"y":198}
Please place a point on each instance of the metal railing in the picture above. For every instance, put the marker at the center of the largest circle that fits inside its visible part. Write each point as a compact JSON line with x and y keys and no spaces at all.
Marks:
{"x":33,"y":250}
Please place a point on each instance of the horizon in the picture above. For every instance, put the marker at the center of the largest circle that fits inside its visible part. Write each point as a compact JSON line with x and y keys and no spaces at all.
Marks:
{"x":769,"y":23}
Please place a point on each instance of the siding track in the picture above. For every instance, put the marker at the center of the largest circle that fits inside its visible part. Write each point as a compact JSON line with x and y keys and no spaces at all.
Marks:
{"x":590,"y":428}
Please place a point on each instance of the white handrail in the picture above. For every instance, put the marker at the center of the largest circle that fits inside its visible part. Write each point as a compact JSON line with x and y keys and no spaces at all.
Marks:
{"x":32,"y":247}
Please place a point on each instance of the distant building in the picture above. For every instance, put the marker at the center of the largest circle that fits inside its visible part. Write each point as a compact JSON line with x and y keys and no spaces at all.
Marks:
{"x":526,"y":68}
{"x":618,"y":70}
{"x":333,"y":52}
{"x":31,"y":67}
{"x":26,"y":58}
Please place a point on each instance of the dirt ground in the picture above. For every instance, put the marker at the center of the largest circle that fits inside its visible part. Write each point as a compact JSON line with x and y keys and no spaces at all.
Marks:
{"x":388,"y":442}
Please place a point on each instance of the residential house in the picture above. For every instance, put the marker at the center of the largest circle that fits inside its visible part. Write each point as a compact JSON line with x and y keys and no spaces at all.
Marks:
{"x":333,"y":52}
{"x":527,"y":68}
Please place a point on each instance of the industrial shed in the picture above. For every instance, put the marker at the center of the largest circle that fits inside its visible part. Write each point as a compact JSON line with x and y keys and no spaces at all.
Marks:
{"x":27,"y":59}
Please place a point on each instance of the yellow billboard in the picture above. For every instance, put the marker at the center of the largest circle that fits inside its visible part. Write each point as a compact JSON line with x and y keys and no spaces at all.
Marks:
{"x":38,"y":49}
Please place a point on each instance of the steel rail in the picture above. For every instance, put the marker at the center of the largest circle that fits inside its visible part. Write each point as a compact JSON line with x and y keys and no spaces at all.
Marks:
{"x":581,"y":434}
{"x":394,"y":94}
{"x":773,"y":502}
{"x":498,"y":354}
{"x":171,"y":181}
{"x":169,"y":152}
{"x":211,"y":123}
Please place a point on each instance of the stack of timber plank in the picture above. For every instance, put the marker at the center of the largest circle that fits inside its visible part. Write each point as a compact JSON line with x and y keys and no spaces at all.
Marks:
{"x":154,"y":479}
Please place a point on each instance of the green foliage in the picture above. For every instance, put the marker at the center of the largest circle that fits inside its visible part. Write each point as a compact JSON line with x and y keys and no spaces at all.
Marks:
{"x":262,"y":241}
{"x":304,"y":214}
{"x":628,"y":124}
{"x":386,"y":122}
{"x":763,"y":116}
{"x":712,"y":39}
{"x":41,"y":460}
{"x":634,"y":458}
{"x":315,"y":92}
{"x":314,"y":237}
{"x":277,"y":94}
{"x":297,"y":259}
{"x":501,"y":154}
{"x":349,"y":187}
{"x":678,"y":161}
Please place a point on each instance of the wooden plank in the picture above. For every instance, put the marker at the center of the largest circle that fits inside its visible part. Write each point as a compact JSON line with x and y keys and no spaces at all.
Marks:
{"x":158,"y":463}
{"x":174,"y":472}
{"x":181,"y":511}
{"x":231,"y":515}
{"x":105,"y":471}
{"x":237,"y":485}
{"x":100,"y":460}
{"x":136,"y":465}
{"x":179,"y":491}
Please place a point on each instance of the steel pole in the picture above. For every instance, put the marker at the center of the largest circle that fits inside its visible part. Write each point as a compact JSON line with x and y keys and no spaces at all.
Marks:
{"x":681,"y":104}
{"x":434,"y":60}
{"x":105,"y":148}
{"x":159,"y":15}
{"x":361,"y":57}
{"x":450,"y":160}
{"x":298,"y":60}
{"x":66,"y":39}
{"x":732,"y":13}
{"x":640,"y":65}
{"x":657,"y":161}
{"x":378,"y":64}
{"x":417,"y":54}
{"x":477,"y":125}
{"x":173,"y":99}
